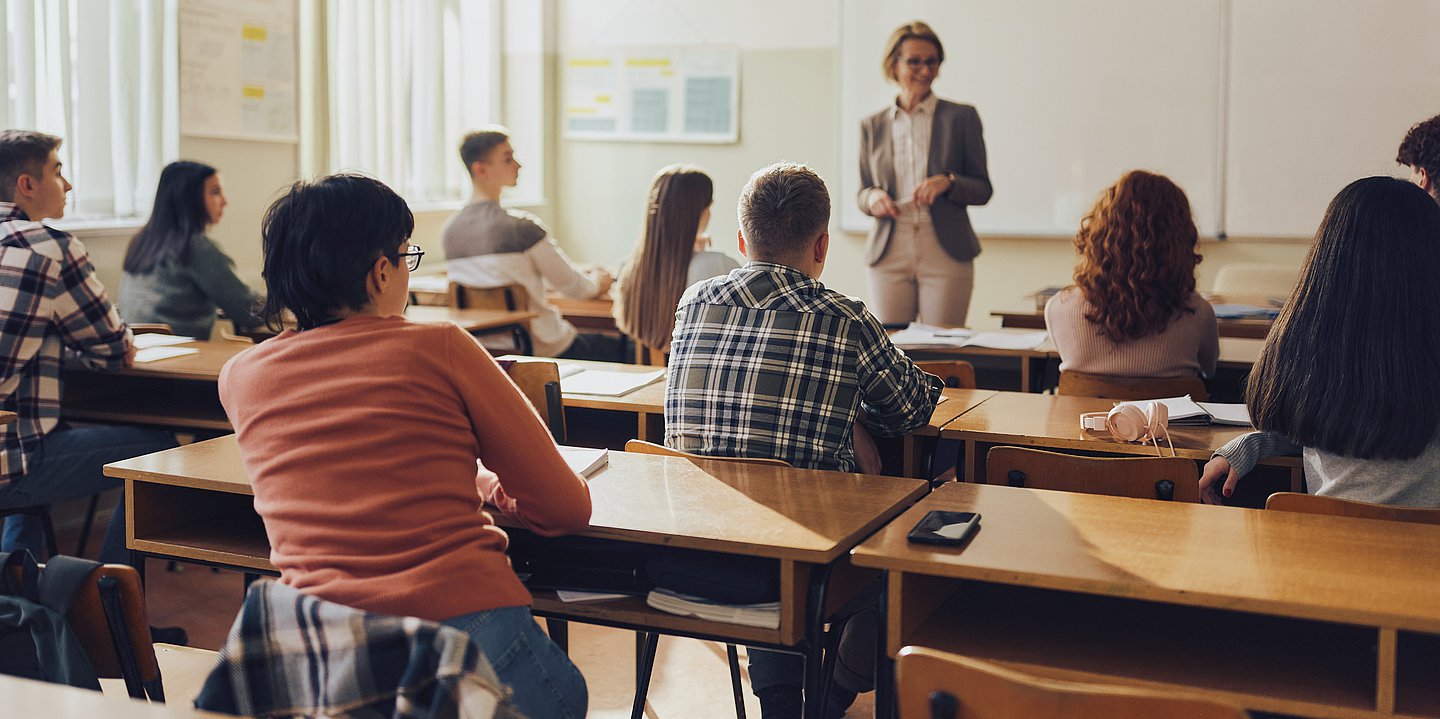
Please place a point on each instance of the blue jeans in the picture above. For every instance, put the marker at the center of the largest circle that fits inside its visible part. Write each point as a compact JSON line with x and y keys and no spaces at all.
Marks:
{"x":544,"y":681}
{"x":69,"y":464}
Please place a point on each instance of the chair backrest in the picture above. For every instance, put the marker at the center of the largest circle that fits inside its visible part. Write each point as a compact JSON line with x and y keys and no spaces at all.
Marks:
{"x":1246,"y":278}
{"x":108,"y":616}
{"x":640,"y":446}
{"x":957,"y":374}
{"x":1167,"y":478}
{"x":539,"y":381}
{"x":504,"y":297}
{"x":1084,"y":384}
{"x":152,"y":328}
{"x":1311,"y":504}
{"x":648,"y":356}
{"x":939,"y":685}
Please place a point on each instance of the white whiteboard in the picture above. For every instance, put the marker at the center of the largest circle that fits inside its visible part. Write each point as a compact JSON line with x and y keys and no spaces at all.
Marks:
{"x":1071,"y":94}
{"x":1321,"y":93}
{"x":653,"y":94}
{"x":238,"y":70}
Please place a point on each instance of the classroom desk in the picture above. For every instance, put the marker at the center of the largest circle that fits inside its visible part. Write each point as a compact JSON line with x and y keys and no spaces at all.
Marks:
{"x":195,"y":503}
{"x":30,"y":698}
{"x":179,"y":393}
{"x":1277,"y":611}
{"x":922,"y":441}
{"x":592,"y":315}
{"x":1049,"y":421}
{"x":1033,"y":319}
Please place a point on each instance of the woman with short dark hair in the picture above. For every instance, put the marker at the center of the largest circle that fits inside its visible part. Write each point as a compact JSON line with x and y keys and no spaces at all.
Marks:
{"x":1133,"y":311}
{"x":361,"y":430}
{"x":1348,"y":376}
{"x":174,"y":273}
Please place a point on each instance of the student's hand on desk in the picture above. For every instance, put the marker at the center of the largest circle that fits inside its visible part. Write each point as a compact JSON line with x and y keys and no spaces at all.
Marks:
{"x":602,"y":280}
{"x":1216,"y":479}
{"x":930,"y":190}
{"x":882,"y":205}
{"x":130,"y":356}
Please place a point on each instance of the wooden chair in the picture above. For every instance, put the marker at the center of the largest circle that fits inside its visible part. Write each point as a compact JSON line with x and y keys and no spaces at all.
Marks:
{"x":1165,"y":478}
{"x":1248,"y":278}
{"x":648,"y":356}
{"x":957,"y":374}
{"x":510,"y":297}
{"x":1311,"y":504}
{"x":938,"y":685}
{"x":646,"y":644}
{"x":539,"y":381}
{"x":1084,"y":384}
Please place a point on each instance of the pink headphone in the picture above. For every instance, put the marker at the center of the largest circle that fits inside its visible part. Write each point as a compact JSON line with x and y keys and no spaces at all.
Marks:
{"x":1131,"y":422}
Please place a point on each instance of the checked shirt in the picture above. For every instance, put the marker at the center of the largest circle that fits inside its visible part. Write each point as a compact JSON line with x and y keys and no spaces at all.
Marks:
{"x":766,"y":362}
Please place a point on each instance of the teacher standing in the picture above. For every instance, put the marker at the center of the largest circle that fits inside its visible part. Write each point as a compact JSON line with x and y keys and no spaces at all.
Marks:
{"x":922,"y":162}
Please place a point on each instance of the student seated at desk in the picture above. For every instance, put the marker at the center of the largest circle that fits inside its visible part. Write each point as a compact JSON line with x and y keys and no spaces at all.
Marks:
{"x":360,"y":431}
{"x":767,"y":362}
{"x":487,"y":245}
{"x":671,"y":256}
{"x":174,"y":273}
{"x":1350,"y":375}
{"x":1133,"y":311}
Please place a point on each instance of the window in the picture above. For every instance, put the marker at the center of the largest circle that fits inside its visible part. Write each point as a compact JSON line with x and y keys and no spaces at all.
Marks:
{"x":101,"y":75}
{"x":407,"y":79}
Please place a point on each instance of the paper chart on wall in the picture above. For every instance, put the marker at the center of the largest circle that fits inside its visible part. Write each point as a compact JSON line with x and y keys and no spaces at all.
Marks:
{"x":238,"y":70}
{"x":653,"y":94}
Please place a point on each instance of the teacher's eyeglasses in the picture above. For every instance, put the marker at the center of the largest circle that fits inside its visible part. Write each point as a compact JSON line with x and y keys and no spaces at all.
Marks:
{"x":412,"y":257}
{"x":915,"y":63}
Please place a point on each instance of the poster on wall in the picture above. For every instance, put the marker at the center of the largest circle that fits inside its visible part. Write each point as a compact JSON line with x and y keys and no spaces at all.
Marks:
{"x":238,"y":70}
{"x":653,"y":94}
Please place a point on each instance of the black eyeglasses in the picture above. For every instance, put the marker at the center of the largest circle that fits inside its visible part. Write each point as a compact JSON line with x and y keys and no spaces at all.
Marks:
{"x":412,"y":257}
{"x":914,"y":63}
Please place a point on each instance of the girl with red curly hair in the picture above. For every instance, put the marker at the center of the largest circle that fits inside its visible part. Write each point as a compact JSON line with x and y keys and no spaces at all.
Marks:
{"x":1133,"y":311}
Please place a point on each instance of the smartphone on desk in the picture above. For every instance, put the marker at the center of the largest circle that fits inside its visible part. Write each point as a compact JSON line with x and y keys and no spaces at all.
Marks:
{"x":945,"y":528}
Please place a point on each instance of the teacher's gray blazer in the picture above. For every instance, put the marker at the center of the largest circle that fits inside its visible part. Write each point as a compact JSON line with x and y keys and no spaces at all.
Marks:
{"x":956,"y":145}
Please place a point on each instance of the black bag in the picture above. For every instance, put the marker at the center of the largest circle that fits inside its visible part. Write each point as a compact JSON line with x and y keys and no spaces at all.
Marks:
{"x":36,"y":641}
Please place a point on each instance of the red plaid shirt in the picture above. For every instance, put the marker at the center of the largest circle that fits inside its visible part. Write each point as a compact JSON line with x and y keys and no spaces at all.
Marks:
{"x":50,"y":300}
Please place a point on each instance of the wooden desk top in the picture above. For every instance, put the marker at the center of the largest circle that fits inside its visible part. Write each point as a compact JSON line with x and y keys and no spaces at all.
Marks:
{"x":30,"y":698}
{"x":1044,"y":420}
{"x":469,"y":320}
{"x":202,"y":366}
{"x":803,"y":515}
{"x":957,"y":402}
{"x":649,"y":399}
{"x":1337,"y":569}
{"x":594,"y":308}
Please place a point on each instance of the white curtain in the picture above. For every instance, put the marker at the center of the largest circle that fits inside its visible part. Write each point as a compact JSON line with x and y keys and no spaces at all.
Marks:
{"x":102,"y":75}
{"x":407,"y":78}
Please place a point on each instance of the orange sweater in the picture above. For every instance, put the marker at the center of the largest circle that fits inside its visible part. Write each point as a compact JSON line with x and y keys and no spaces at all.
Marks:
{"x":361,"y":440}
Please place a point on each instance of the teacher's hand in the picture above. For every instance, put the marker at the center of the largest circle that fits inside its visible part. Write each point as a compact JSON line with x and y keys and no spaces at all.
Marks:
{"x":931,"y":189}
{"x":881,"y":205}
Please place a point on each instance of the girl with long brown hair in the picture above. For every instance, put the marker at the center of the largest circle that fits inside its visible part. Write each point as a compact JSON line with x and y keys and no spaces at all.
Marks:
{"x":1133,"y":311}
{"x":670,"y":257}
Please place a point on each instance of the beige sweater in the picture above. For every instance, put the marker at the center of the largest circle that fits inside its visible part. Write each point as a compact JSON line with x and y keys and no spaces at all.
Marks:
{"x":1188,"y":346}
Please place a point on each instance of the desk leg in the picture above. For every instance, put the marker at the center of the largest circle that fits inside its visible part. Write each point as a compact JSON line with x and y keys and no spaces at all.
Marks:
{"x":915,"y":450}
{"x":1025,"y":375}
{"x":974,"y":463}
{"x":651,"y":427}
{"x":884,"y":665}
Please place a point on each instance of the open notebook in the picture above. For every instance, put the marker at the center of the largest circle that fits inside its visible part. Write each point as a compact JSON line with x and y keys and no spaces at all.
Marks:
{"x":585,"y":461}
{"x":575,"y":379}
{"x":1186,"y":411}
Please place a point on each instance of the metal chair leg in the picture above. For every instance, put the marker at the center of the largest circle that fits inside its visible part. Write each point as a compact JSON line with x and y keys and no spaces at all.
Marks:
{"x":734,"y":656}
{"x":642,"y":679}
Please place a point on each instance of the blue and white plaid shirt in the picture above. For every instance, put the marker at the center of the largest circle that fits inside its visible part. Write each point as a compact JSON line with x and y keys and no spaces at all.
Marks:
{"x":50,"y":300}
{"x":766,"y":362}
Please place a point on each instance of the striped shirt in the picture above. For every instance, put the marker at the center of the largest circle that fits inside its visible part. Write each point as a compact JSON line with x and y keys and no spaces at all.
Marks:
{"x":767,"y":362}
{"x":50,"y":300}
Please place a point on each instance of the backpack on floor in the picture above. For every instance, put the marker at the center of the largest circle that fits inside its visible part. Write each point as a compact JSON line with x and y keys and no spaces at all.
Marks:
{"x":36,"y":641}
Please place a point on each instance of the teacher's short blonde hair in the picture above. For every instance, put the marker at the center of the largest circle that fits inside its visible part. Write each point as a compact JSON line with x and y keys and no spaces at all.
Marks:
{"x":910,"y":31}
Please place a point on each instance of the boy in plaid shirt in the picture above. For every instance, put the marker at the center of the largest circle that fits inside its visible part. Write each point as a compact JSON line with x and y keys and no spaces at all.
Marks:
{"x":51,"y":302}
{"x":767,"y":362}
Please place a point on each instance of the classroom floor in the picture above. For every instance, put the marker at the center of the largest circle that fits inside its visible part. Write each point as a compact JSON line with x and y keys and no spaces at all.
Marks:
{"x":690,"y":680}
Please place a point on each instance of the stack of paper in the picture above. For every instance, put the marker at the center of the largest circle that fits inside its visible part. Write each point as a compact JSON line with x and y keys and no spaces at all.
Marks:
{"x":585,"y":461}
{"x":920,"y":336}
{"x":765,"y":616}
{"x":608,"y":383}
{"x":1186,"y":411}
{"x":152,"y":339}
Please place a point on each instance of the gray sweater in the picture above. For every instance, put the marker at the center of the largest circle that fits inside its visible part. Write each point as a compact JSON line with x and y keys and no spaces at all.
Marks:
{"x":185,"y":296}
{"x":1405,"y":482}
